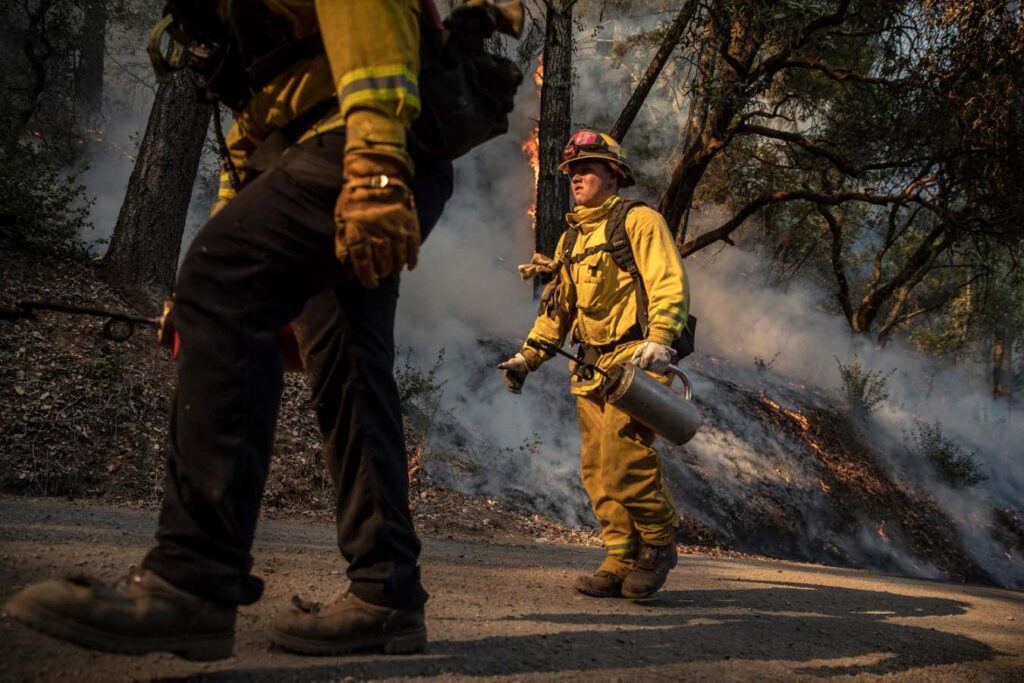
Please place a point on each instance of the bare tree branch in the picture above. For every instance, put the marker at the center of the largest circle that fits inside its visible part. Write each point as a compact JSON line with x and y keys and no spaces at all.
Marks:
{"x":840,"y":74}
{"x":722,"y":232}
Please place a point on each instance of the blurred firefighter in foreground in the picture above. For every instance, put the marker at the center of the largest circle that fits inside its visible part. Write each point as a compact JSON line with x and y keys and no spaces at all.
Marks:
{"x":619,"y":287}
{"x":315,"y":218}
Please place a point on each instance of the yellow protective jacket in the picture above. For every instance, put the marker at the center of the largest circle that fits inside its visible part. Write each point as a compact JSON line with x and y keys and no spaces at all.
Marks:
{"x":371,"y":61}
{"x":597,"y":300}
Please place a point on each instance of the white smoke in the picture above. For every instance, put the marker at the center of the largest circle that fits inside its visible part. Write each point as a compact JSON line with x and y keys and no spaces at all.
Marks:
{"x":742,"y":317}
{"x":465,"y":291}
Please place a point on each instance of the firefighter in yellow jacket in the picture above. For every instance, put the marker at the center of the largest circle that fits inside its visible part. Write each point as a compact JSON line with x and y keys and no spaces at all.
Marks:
{"x":596,"y":300}
{"x":323,"y":221}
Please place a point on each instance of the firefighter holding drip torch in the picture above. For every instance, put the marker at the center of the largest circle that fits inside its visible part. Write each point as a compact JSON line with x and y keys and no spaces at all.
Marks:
{"x":620,"y":289}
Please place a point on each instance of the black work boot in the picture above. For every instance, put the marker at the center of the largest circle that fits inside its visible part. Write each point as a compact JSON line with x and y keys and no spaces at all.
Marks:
{"x":652,"y":567}
{"x":136,"y":614}
{"x":599,"y":585}
{"x":346,"y":625}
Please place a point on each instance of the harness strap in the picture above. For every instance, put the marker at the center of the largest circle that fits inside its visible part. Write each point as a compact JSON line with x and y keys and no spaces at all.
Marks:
{"x":619,"y":248}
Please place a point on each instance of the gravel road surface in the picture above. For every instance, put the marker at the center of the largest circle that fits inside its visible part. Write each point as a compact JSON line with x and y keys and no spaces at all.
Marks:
{"x":506,"y":611}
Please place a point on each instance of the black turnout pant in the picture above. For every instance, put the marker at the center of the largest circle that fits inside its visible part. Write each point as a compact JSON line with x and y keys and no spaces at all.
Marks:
{"x":266,"y":260}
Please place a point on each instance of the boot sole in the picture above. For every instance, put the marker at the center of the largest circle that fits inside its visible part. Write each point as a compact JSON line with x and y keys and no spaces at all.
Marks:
{"x":598,"y":594}
{"x":205,"y":648}
{"x":405,"y":643}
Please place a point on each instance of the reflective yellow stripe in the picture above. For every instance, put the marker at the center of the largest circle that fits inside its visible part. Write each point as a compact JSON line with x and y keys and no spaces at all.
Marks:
{"x":657,"y":520}
{"x":404,"y":97}
{"x":377,"y":71}
{"x":225,"y":190}
{"x":379,"y":83}
{"x":624,"y":550}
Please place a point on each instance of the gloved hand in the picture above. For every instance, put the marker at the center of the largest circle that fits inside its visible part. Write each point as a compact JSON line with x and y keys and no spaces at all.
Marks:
{"x":516,"y":369}
{"x":653,"y":356}
{"x":377,"y":229}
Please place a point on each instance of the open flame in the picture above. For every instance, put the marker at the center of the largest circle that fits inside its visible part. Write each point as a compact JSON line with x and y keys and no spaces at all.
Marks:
{"x":531,"y":147}
{"x":795,"y":415}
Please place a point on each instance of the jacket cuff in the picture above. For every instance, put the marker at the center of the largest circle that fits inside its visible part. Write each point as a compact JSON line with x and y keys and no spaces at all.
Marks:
{"x":663,"y":337}
{"x":534,"y":359}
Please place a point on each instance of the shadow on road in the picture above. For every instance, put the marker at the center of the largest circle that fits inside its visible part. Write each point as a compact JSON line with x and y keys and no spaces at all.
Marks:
{"x":811,"y":626}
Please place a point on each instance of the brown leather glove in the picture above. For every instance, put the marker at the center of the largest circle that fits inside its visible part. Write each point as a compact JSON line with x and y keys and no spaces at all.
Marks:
{"x":377,"y":229}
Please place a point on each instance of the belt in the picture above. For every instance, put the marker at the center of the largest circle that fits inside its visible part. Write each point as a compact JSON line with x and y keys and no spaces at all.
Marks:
{"x":632,"y":334}
{"x":271,"y":149}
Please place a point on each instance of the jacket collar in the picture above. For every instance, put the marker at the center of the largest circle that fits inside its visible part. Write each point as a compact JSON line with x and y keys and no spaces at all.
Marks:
{"x":586,"y":219}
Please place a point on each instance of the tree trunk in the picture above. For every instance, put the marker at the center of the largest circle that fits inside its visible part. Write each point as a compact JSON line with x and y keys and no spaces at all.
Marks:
{"x":1002,"y":363}
{"x":143,"y":256}
{"x":643,"y":88}
{"x":554,"y":128}
{"x":89,"y":67}
{"x":38,"y":49}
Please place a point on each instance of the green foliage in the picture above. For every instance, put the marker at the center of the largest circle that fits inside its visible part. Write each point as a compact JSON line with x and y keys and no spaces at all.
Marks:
{"x":956,"y":466}
{"x":416,"y":387}
{"x":863,"y":389}
{"x":420,"y":394}
{"x":41,"y":208}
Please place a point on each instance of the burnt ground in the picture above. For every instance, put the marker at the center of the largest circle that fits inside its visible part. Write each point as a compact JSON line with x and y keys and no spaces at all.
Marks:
{"x":501,"y":608}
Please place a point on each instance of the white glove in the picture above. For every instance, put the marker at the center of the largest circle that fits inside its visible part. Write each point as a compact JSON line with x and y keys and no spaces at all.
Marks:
{"x":653,"y":356}
{"x":516,"y":369}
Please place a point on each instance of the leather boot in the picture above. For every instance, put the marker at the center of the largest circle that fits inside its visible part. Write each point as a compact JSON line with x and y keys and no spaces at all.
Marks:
{"x":136,"y":614}
{"x":652,"y":567}
{"x":599,"y":585}
{"x":346,"y":625}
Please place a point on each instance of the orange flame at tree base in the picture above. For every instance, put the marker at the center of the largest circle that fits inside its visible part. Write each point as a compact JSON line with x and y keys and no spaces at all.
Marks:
{"x":531,"y":147}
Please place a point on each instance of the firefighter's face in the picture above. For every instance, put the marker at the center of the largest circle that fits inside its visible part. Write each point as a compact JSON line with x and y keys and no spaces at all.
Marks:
{"x":592,"y":182}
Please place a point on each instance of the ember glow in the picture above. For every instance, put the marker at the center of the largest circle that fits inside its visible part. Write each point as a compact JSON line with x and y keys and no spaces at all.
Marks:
{"x":796,"y":416}
{"x":531,"y":148}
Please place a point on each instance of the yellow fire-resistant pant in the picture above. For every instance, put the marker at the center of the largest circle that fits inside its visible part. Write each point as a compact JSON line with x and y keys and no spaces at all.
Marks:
{"x":623,"y":476}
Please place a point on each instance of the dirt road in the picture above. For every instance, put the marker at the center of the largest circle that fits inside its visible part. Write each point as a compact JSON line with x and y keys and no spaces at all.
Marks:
{"x":506,"y":611}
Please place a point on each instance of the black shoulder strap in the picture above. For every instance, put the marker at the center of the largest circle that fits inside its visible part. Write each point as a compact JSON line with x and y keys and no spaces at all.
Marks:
{"x":568,"y":244}
{"x":621,"y":251}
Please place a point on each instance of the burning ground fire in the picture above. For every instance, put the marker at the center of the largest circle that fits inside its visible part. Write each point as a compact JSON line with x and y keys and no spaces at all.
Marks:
{"x":531,"y":148}
{"x":794,"y":415}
